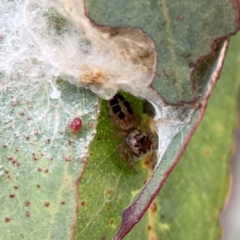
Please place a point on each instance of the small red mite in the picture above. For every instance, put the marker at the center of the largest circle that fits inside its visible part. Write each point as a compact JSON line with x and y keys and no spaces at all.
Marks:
{"x":75,"y":125}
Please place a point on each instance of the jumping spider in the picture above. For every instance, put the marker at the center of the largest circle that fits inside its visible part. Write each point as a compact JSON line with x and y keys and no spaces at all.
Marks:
{"x":126,"y":118}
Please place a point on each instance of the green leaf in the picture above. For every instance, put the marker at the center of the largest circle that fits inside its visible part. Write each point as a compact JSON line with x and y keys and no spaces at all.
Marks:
{"x":41,"y":159}
{"x":109,"y":184}
{"x":183,"y":32}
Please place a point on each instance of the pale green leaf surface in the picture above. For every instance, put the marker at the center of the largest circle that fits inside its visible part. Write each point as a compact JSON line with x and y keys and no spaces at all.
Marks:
{"x":41,"y":160}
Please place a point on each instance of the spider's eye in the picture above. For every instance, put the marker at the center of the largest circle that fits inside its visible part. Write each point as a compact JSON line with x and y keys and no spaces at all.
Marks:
{"x":126,"y":104}
{"x":130,"y":111}
{"x":113,"y":101}
{"x":116,"y":109}
{"x":121,"y":115}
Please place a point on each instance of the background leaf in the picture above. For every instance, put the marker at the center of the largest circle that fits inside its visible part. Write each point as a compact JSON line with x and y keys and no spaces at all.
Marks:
{"x":195,"y":192}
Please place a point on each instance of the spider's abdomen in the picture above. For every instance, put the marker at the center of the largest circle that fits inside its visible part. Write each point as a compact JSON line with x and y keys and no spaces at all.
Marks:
{"x":138,"y":142}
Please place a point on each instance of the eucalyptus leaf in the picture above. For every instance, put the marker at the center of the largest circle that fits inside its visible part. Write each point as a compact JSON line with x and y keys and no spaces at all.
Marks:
{"x":41,"y":159}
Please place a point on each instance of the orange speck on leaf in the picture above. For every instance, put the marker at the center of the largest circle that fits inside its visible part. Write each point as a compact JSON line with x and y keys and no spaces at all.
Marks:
{"x":92,"y":75}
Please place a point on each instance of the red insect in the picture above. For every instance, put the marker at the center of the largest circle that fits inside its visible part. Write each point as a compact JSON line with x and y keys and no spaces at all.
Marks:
{"x":75,"y":125}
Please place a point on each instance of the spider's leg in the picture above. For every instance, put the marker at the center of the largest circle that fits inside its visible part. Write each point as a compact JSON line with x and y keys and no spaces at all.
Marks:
{"x":125,"y":153}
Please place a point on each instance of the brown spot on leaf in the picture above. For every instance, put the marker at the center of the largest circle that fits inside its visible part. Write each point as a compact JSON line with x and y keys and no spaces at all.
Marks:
{"x":27,"y":213}
{"x":15,"y":103}
{"x":213,"y":218}
{"x":207,"y":152}
{"x":187,"y":55}
{"x":18,"y":164}
{"x":34,"y":157}
{"x":12,"y":195}
{"x":181,"y":17}
{"x":48,"y":140}
{"x":4,"y":145}
{"x":165,"y":74}
{"x":16,"y":135}
{"x":46,"y":204}
{"x":11,"y":158}
{"x":111,"y":221}
{"x":27,"y":203}
{"x":7,"y":219}
{"x":38,"y":186}
{"x":46,"y":170}
{"x":63,"y":202}
{"x":15,"y":187}
{"x":153,"y":207}
{"x":39,"y":169}
{"x":67,"y":158}
{"x":191,"y":65}
{"x":149,"y":227}
{"x":36,"y":132}
{"x":83,"y":203}
{"x":109,"y":191}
